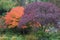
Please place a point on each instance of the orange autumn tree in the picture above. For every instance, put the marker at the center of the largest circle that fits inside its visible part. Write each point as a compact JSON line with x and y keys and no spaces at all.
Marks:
{"x":12,"y":17}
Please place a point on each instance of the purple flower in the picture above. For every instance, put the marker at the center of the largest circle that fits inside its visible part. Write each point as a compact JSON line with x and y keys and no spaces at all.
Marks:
{"x":42,"y":12}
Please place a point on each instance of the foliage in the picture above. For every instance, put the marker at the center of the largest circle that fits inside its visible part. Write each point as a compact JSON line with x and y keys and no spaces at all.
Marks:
{"x":47,"y":33}
{"x":12,"y":17}
{"x":2,"y":22}
{"x":30,"y":37}
{"x":37,"y":21}
{"x":7,"y":4}
{"x":15,"y":37}
{"x":41,"y":34}
{"x":42,"y":12}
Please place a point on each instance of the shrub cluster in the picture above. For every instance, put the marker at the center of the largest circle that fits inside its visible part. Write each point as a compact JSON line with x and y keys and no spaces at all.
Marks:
{"x":12,"y":17}
{"x":42,"y":12}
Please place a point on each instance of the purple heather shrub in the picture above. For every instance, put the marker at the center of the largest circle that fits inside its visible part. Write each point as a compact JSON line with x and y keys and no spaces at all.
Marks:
{"x":42,"y":12}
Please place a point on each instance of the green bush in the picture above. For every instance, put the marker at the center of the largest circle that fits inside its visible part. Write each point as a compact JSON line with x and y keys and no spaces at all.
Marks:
{"x":7,"y":4}
{"x":48,"y":33}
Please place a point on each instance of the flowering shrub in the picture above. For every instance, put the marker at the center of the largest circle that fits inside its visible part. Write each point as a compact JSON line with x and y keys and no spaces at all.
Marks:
{"x":41,"y":12}
{"x":12,"y":17}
